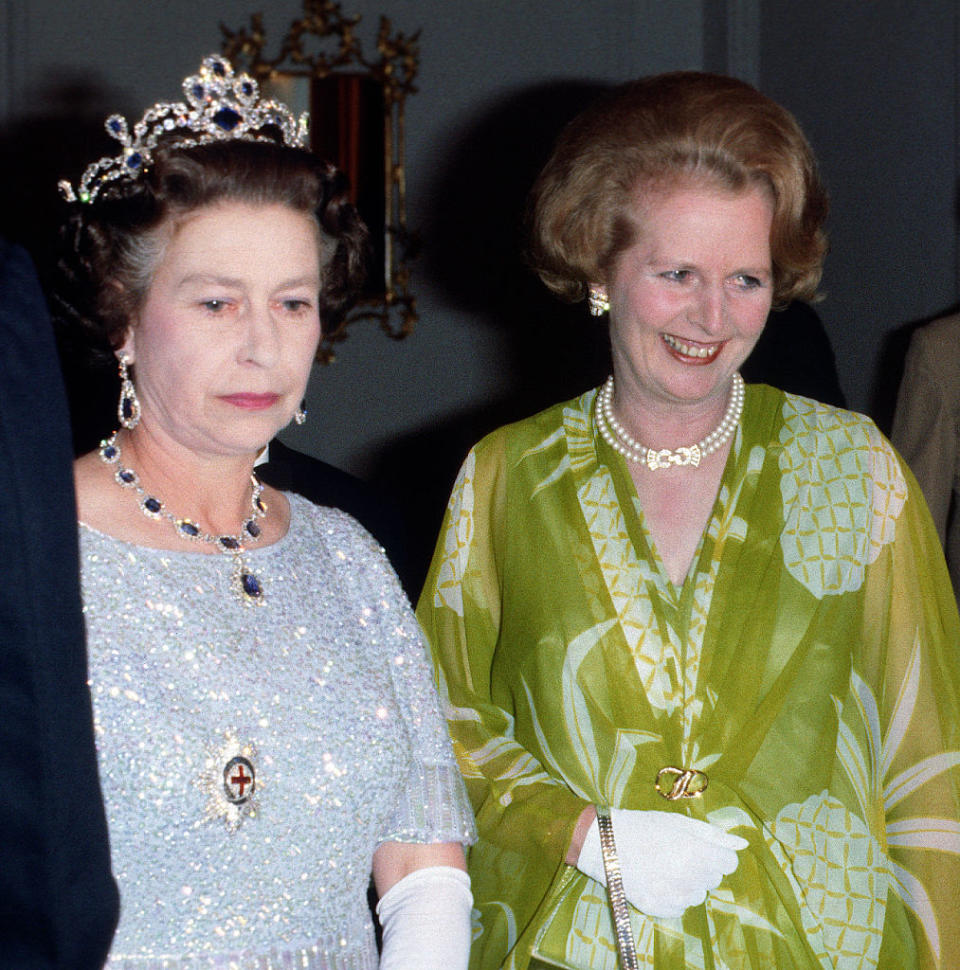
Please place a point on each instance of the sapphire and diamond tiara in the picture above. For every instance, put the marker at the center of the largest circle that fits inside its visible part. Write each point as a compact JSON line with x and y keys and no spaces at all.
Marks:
{"x":220,"y":106}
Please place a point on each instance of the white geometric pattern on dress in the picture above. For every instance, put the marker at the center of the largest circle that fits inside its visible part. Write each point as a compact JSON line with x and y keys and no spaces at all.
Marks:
{"x":867,"y":754}
{"x":576,"y":425}
{"x":456,"y":541}
{"x":654,"y":647}
{"x":591,"y":941}
{"x":840,"y":875}
{"x":725,"y":526}
{"x":889,"y":493}
{"x":837,"y":517}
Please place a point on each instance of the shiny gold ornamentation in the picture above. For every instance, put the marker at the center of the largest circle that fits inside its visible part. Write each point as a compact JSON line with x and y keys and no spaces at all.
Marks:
{"x":231,"y":783}
{"x":686,"y":783}
{"x":394,"y":70}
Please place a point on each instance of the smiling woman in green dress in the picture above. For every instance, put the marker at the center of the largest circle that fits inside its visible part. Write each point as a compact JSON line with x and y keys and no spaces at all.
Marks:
{"x":718,"y":670}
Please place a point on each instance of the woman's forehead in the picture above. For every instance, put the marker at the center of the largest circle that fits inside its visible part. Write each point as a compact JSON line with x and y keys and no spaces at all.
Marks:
{"x":231,"y":227}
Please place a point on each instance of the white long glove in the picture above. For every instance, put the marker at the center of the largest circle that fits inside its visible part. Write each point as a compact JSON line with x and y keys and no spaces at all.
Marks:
{"x":426,"y":921}
{"x":667,"y":860}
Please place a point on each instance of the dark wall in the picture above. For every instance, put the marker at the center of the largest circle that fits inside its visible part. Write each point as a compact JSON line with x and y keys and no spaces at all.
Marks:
{"x":873,"y":84}
{"x":875,"y":87}
{"x":496,"y":80}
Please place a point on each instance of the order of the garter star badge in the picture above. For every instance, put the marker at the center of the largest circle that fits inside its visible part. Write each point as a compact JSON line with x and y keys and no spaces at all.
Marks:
{"x":230,"y":782}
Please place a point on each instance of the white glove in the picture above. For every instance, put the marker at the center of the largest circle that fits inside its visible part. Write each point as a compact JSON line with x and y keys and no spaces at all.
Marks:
{"x":426,"y":921}
{"x":667,"y":860}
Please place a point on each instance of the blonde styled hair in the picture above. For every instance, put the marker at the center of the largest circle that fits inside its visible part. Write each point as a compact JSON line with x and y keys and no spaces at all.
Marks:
{"x":706,"y":128}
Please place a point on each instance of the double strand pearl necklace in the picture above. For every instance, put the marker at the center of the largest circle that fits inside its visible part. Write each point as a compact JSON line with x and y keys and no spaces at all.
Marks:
{"x":620,"y":441}
{"x":245,"y":584}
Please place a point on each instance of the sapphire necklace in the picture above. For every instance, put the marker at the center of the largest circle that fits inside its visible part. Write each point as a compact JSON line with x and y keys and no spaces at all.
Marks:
{"x":245,"y":584}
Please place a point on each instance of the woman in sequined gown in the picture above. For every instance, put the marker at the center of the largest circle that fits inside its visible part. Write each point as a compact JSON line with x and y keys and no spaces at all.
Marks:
{"x":729,"y":658}
{"x":268,"y":732}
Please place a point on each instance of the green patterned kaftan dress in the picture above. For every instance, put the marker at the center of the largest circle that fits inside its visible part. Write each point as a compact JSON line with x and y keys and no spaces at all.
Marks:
{"x":809,"y":665}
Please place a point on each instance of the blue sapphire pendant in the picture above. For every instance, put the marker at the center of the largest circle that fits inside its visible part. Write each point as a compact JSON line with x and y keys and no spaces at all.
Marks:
{"x":246,"y":584}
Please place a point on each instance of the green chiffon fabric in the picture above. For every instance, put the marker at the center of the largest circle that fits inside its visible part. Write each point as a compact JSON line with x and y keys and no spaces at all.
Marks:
{"x":809,"y":665}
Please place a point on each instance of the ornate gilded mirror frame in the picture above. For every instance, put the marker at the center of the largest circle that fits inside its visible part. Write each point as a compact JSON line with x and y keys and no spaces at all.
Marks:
{"x":356,"y":109}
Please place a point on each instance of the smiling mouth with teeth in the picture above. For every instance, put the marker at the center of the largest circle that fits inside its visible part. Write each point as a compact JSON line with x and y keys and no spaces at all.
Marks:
{"x":701,"y":355}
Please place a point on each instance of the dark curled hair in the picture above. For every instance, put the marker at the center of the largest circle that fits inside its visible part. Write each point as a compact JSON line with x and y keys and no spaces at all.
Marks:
{"x":109,"y":248}
{"x":660,"y":131}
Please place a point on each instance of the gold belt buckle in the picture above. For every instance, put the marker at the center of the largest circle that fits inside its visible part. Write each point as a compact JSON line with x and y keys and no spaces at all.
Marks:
{"x":687,"y":783}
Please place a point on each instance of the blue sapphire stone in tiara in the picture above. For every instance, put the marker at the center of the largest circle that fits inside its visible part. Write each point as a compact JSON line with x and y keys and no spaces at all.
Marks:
{"x":134,"y":160}
{"x":227,"y":119}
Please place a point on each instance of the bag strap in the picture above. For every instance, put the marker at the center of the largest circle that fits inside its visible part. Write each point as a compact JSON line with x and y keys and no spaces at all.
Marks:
{"x":626,"y":946}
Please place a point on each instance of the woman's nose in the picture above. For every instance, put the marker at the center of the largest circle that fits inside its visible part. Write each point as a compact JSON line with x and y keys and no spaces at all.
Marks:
{"x":710,"y":308}
{"x":262,"y":339}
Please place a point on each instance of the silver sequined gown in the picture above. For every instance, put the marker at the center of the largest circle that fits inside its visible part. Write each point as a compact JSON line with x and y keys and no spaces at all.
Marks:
{"x":320,"y":702}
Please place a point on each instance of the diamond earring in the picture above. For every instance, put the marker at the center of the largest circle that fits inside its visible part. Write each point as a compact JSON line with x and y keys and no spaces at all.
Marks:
{"x":597,"y":302}
{"x":128,"y":409}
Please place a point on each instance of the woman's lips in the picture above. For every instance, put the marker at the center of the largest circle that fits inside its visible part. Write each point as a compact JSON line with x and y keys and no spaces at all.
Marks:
{"x":251,"y":402}
{"x":690,"y":352}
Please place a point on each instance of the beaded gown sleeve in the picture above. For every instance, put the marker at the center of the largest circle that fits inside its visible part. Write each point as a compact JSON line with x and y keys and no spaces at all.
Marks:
{"x":254,"y":756}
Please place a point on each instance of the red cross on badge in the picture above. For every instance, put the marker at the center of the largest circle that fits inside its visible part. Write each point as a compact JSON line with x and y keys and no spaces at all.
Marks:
{"x":239,"y":780}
